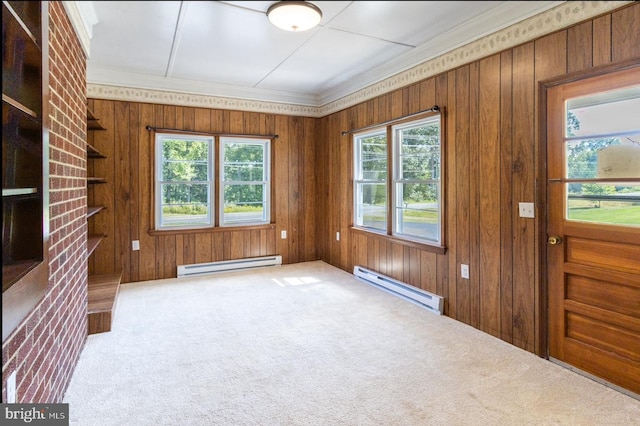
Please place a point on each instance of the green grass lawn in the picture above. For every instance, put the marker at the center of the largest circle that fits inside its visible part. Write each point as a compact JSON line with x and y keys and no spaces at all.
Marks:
{"x":614,"y":215}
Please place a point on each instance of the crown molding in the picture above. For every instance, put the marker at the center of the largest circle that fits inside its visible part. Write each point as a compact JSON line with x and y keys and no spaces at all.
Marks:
{"x":557,"y":18}
{"x":83,"y":17}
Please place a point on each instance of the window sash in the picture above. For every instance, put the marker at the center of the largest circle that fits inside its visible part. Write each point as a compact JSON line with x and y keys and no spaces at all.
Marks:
{"x":370,"y":185}
{"x":177,"y":213}
{"x":247,"y":197}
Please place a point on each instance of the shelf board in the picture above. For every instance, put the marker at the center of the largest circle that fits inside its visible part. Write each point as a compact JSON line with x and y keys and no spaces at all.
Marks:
{"x":91,"y":180}
{"x":8,"y":99}
{"x":103,"y":295}
{"x":13,"y":271}
{"x":12,"y":192}
{"x":93,"y":241}
{"x":91,"y":210}
{"x":92,"y":152}
{"x":93,"y":123}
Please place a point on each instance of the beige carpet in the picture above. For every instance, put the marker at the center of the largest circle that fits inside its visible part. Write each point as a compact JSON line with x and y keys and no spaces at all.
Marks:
{"x":308,"y":344}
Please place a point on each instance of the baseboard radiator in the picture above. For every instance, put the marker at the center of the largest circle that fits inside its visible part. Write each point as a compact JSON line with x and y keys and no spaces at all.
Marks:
{"x":228,"y":265}
{"x":431,"y":302}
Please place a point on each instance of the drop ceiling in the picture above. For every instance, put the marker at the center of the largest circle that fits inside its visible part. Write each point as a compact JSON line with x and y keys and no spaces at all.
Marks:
{"x":230,"y":49}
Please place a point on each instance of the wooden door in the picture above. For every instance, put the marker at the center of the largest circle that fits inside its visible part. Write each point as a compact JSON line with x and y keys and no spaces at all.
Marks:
{"x":593,"y":226}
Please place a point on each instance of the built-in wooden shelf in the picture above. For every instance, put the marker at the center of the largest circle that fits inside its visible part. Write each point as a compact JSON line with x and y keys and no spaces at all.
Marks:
{"x":92,"y":152}
{"x":93,"y":241}
{"x":12,"y":192}
{"x":16,"y":270}
{"x":93,"y":179}
{"x":103,"y":294}
{"x":91,"y":210}
{"x":93,"y":123}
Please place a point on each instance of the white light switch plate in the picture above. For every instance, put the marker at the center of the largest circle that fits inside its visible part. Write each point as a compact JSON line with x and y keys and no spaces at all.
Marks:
{"x":135,"y":245}
{"x":283,"y":234}
{"x":464,"y":271}
{"x":526,"y":209}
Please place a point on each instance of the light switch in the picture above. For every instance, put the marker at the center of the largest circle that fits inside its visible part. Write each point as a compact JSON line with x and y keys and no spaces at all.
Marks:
{"x":283,"y":234}
{"x":464,"y":271}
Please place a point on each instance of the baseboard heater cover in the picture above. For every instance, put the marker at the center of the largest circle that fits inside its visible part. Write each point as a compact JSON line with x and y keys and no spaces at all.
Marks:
{"x":430,"y":301}
{"x":228,"y":265}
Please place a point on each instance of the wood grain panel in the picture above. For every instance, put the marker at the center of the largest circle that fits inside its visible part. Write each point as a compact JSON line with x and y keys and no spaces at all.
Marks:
{"x":489,"y":195}
{"x":461,"y":163}
{"x":122,"y":195}
{"x":506,"y":196}
{"x":134,"y":199}
{"x":624,"y":33}
{"x":144,"y":167}
{"x":614,"y":339}
{"x":580,"y":47}
{"x":623,"y":298}
{"x":625,"y":257}
{"x":602,"y":40}
{"x":474,"y":195}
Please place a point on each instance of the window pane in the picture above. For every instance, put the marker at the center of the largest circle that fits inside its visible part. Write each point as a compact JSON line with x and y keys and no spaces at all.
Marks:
{"x":371,"y":207}
{"x":417,"y":210}
{"x":244,"y":203}
{"x":185,"y":149}
{"x":617,"y":157}
{"x":373,"y":156}
{"x":244,"y":162}
{"x":184,"y":171}
{"x":184,"y":205}
{"x":420,"y":153}
{"x":602,"y":113}
{"x":612,"y":203}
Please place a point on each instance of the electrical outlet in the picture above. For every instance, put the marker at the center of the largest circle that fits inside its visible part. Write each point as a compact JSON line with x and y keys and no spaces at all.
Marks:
{"x":337,"y":236}
{"x":135,"y":245}
{"x":526,"y":209}
{"x":11,"y":389}
{"x":464,"y":271}
{"x":283,"y":234}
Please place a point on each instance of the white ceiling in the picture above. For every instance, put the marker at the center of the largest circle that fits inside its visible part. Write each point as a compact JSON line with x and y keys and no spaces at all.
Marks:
{"x":230,"y":49}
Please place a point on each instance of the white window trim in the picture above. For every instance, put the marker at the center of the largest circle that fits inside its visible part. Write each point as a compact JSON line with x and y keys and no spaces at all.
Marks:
{"x":160,"y":137}
{"x":397,"y":180}
{"x":359,"y":179}
{"x":266,"y":215}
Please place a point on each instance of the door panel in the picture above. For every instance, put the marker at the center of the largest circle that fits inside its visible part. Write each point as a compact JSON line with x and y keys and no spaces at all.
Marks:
{"x":593,"y":225}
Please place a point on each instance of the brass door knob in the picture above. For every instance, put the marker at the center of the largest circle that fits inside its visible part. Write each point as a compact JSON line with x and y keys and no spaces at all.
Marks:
{"x":554,"y":240}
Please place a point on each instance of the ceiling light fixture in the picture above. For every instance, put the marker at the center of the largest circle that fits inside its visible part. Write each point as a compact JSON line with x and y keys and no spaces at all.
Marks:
{"x":294,"y":15}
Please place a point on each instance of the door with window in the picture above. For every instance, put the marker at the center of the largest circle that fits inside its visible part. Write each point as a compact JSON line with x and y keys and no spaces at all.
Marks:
{"x":593,"y":226}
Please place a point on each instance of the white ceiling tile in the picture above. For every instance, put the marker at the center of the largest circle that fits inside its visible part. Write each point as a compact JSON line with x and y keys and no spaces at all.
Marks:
{"x":329,"y":58}
{"x":133,"y":35}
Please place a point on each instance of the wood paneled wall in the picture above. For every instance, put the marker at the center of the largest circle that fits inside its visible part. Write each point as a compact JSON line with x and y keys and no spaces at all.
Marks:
{"x":128,"y":193}
{"x":492,"y":160}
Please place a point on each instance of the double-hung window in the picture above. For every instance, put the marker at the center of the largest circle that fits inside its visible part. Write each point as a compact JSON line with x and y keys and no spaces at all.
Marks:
{"x":397,"y":180}
{"x":195,"y":171}
{"x":244,"y":177}
{"x":184,"y":181}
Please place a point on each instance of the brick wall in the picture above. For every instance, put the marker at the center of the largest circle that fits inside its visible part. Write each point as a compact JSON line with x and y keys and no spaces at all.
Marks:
{"x":44,"y":349}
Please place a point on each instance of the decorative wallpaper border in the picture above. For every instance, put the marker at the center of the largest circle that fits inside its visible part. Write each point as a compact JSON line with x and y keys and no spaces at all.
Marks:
{"x":547,"y":22}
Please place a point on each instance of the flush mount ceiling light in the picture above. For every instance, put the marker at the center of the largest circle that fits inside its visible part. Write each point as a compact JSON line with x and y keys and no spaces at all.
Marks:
{"x":294,"y":15}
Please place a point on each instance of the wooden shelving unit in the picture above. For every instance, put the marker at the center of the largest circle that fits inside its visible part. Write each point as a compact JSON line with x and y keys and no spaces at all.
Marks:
{"x":25,"y":272}
{"x":103,"y":295}
{"x":103,"y":289}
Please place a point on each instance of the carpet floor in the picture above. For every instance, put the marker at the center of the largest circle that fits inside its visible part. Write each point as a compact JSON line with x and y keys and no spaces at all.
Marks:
{"x":308,"y":344}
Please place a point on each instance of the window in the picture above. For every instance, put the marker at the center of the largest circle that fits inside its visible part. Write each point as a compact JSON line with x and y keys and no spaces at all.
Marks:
{"x":411,"y":207}
{"x":244,"y":177}
{"x":186,"y":186}
{"x":602,"y":157}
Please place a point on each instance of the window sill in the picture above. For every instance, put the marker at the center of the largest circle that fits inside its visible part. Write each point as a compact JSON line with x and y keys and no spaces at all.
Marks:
{"x":209,"y":230}
{"x":422,"y":246}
